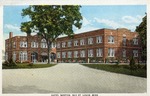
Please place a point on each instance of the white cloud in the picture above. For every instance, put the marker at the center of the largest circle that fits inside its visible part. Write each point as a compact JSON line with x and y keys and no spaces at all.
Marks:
{"x":132,"y":27}
{"x":140,"y":17}
{"x":12,"y":27}
{"x":85,"y":22}
{"x":109,"y":23}
{"x":130,"y":19}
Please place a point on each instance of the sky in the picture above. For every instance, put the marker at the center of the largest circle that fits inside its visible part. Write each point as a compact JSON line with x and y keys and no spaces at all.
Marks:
{"x":94,"y":17}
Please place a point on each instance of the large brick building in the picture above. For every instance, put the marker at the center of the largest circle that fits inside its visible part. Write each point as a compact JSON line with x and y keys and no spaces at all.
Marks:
{"x":27,"y":49}
{"x":103,"y":45}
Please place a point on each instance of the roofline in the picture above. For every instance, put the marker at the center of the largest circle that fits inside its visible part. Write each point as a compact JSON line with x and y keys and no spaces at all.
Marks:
{"x":19,"y":36}
{"x":96,"y":30}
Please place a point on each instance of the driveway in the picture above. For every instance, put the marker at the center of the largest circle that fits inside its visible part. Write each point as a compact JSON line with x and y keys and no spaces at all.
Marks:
{"x":69,"y":78}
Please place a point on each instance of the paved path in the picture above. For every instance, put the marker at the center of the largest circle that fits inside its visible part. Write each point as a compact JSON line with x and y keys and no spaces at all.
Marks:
{"x":69,"y":78}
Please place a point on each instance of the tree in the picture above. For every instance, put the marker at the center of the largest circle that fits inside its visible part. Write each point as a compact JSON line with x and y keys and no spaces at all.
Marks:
{"x":26,"y":27}
{"x":132,"y":64}
{"x":142,"y":30}
{"x":51,"y":21}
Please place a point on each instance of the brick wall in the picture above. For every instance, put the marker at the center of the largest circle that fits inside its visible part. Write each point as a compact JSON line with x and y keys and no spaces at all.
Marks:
{"x":10,"y":49}
{"x":105,"y":33}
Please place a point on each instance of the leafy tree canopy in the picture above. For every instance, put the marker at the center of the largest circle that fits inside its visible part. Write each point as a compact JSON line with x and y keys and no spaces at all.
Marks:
{"x":51,"y":21}
{"x":26,"y":27}
{"x":142,"y":30}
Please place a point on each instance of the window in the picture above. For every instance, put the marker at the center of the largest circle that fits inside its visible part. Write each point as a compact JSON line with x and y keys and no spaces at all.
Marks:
{"x":75,"y":54}
{"x":135,"y":41}
{"x":99,"y":52}
{"x":76,"y":43}
{"x":6,"y":58}
{"x":124,"y":53}
{"x":58,"y":45}
{"x":99,"y":39}
{"x":14,"y":44}
{"x":82,"y":42}
{"x":58,"y":54}
{"x":53,"y":45}
{"x":23,"y":56}
{"x":63,"y":54}
{"x":135,"y":53}
{"x":14,"y":56}
{"x":90,"y":40}
{"x":43,"y":43}
{"x":110,"y":39}
{"x":63,"y":44}
{"x":90,"y":53}
{"x":111,"y":52}
{"x":124,"y":41}
{"x":69,"y":43}
{"x":34,"y":44}
{"x":69,"y":54}
{"x":23,"y":44}
{"x":82,"y":53}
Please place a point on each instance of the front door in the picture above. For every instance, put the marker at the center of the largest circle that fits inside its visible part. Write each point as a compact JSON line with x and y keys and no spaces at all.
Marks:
{"x":34,"y":57}
{"x":53,"y":57}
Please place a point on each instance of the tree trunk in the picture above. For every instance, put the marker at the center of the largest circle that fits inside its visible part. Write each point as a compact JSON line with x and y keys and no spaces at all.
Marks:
{"x":28,"y":37}
{"x":49,"y":48}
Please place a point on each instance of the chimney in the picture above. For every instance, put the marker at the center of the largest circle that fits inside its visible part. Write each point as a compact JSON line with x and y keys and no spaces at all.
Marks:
{"x":10,"y":34}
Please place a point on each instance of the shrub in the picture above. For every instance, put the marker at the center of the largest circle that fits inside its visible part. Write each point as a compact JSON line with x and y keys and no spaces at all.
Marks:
{"x":82,"y":60}
{"x":117,"y":62}
{"x":12,"y":63}
{"x":132,"y":64}
{"x":6,"y":63}
{"x":18,"y":61}
{"x":9,"y":64}
{"x":107,"y":60}
{"x":69,"y":60}
{"x":30,"y":64}
{"x":145,"y":67}
{"x":26,"y":61}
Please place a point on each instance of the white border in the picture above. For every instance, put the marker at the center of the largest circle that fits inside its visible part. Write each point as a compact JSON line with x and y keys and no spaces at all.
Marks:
{"x":74,"y":2}
{"x":77,"y":2}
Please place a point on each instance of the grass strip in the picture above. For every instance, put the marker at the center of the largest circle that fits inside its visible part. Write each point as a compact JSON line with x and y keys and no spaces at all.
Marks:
{"x":27,"y":66}
{"x":122,"y":69}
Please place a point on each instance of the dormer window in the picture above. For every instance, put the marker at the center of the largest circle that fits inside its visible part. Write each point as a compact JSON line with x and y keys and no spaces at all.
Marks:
{"x":43,"y":43}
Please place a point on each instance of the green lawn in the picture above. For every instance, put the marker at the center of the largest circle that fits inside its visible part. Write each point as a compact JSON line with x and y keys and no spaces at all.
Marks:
{"x":27,"y":66}
{"x":123,"y":69}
